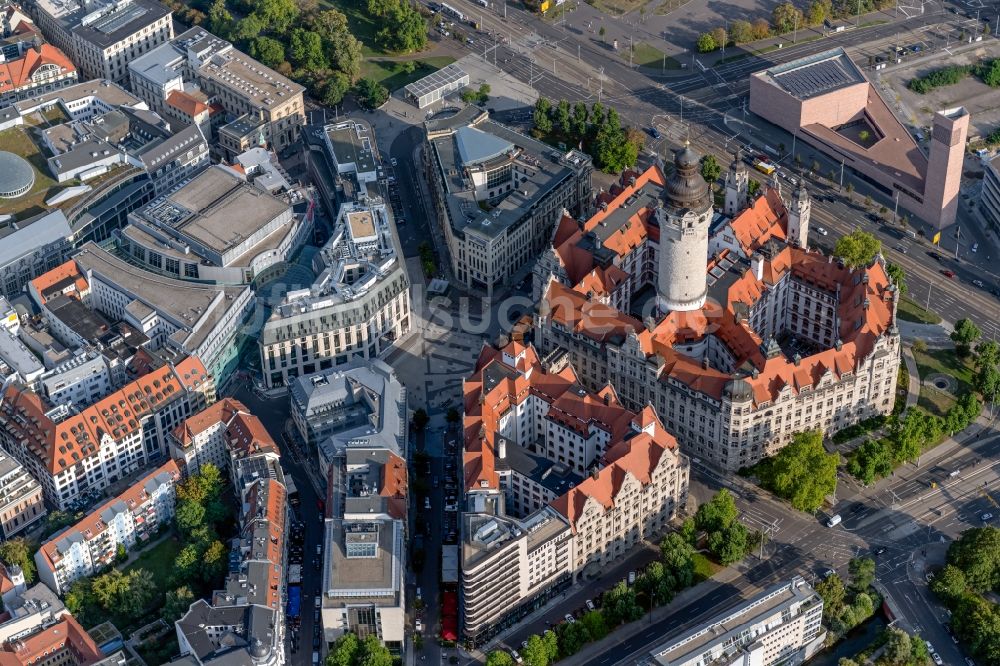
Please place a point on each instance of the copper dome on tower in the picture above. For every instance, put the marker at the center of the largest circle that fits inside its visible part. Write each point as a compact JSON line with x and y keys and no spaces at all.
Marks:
{"x":686,"y":188}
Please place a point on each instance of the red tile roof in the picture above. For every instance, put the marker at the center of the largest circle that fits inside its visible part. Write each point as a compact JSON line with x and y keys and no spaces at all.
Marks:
{"x":764,"y":219}
{"x":43,"y":646}
{"x":61,"y":273}
{"x":188,"y":105}
{"x":15,"y":74}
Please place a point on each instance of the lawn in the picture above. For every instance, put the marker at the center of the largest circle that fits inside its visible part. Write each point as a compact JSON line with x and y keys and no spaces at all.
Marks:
{"x":941,"y":362}
{"x":704,"y":568}
{"x":909,"y":310}
{"x":645,"y":55}
{"x":17,"y":141}
{"x":159,"y":559}
{"x":362,"y":26}
{"x":392,"y":75}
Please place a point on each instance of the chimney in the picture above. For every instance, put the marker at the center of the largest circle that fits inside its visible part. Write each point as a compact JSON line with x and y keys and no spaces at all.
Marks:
{"x":704,"y":363}
{"x":797,"y":359}
{"x":838,"y":344}
{"x":594,"y":473}
{"x":757,"y":265}
{"x":501,"y":448}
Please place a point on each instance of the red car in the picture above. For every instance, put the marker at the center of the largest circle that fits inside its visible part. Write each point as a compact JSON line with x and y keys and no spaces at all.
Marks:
{"x":948,"y":273}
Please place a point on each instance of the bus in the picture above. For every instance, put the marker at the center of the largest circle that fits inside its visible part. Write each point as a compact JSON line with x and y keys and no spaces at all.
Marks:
{"x":765,"y":167}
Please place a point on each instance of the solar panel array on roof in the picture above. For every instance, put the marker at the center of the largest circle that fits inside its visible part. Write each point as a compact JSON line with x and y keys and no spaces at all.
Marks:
{"x":811,"y":80}
{"x":439,"y":79}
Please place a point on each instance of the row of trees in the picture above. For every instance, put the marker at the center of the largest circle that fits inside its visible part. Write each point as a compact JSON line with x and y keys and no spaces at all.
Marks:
{"x":598,"y":130}
{"x":802,"y":472}
{"x":714,"y":524}
{"x":349,"y":650}
{"x":900,"y":649}
{"x":846,"y":605}
{"x":908,"y":436}
{"x":785,"y":18}
{"x":973,"y":569}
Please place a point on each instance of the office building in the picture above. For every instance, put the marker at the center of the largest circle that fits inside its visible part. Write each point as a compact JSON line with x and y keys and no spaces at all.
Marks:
{"x":826,"y":101}
{"x":362,"y":400}
{"x":357,"y":308}
{"x":717,"y":375}
{"x":37,"y":69}
{"x":204,"y":437}
{"x":364,"y":558}
{"x":31,"y":247}
{"x":558,"y":480}
{"x":261,"y":106}
{"x":989,"y":201}
{"x":217,"y":227}
{"x":178,"y":316}
{"x":781,"y":625}
{"x":70,"y":454}
{"x":21,"y":502}
{"x":497,"y":195}
{"x":127,"y":520}
{"x":103,"y":36}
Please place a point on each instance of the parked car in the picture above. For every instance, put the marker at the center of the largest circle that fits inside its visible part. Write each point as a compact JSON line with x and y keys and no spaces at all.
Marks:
{"x":569,"y":618}
{"x":631,"y":577}
{"x":822,"y":231}
{"x":590,"y":605}
{"x":986,"y":516}
{"x":655,"y":133}
{"x":978,"y":283}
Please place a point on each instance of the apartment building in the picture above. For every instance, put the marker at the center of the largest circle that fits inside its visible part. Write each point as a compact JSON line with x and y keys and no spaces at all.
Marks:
{"x":103,"y":36}
{"x":63,"y":643}
{"x":713,"y":368}
{"x":27,"y":610}
{"x":260,"y":105}
{"x":37,"y":69}
{"x":216,"y":227}
{"x":557,"y":480}
{"x":73,"y":453}
{"x":21,"y":502}
{"x":17,"y":30}
{"x":989,"y":202}
{"x":357,"y":308}
{"x":131,"y":518}
{"x":781,"y":625}
{"x":360,"y":401}
{"x":497,"y":195}
{"x":202,"y":437}
{"x":178,"y":316}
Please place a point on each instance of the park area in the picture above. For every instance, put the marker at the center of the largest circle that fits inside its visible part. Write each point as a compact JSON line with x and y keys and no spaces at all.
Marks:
{"x":943,"y":377}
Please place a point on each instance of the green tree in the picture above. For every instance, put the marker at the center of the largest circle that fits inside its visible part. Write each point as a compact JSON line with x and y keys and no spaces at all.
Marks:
{"x":710,"y":169}
{"x":373,"y":653}
{"x":862,"y":570}
{"x":731,"y":544}
{"x":345,"y":651}
{"x":919,"y":654}
{"x":186,"y":563}
{"x":580,"y":118}
{"x":188,"y":516}
{"x":949,"y":584}
{"x":620,"y":605}
{"x":831,"y":590}
{"x":277,"y":15}
{"x":977,"y":555}
{"x":688,"y":531}
{"x":305,"y":49}
{"x":542,"y":120}
{"x":110,"y":588}
{"x":898,"y":277}
{"x":247,"y":28}
{"x":405,"y":29}
{"x":858,"y":248}
{"x":499,"y":658}
{"x":870,"y":461}
{"x":269,"y":51}
{"x":818,"y":12}
{"x":343,"y":48}
{"x":550,"y":641}
{"x":656,"y":583}
{"x":720,"y":36}
{"x":20,"y":552}
{"x":706,"y":43}
{"x":138,"y":591}
{"x":977,"y":622}
{"x":847,"y":661}
{"x":381,"y":8}
{"x":987,"y":377}
{"x":334,"y":88}
{"x":214,"y":561}
{"x":595,"y":623}
{"x":864,"y":135}
{"x":718,"y":513}
{"x":740,"y":31}
{"x":220,"y":21}
{"x":79,"y":596}
{"x":677,"y":555}
{"x":898,"y":647}
{"x":753,"y":188}
{"x":176,"y":603}
{"x":786,"y":17}
{"x":535,"y":652}
{"x":966,"y":332}
{"x":802,"y":472}
{"x":371,"y":94}
{"x":572,"y":637}
{"x":761,"y":29}
{"x":561,"y":117}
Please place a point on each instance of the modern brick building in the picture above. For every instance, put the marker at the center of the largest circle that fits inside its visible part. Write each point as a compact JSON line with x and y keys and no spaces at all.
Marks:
{"x":825,"y":100}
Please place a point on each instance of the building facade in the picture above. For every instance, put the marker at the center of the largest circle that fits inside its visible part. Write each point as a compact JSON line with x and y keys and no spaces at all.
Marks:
{"x":40,"y":68}
{"x":103,"y":37}
{"x":558,"y":480}
{"x":989,"y":202}
{"x":497,"y":195}
{"x":21,"y":501}
{"x":716,"y":375}
{"x":106,"y":442}
{"x":132,"y":517}
{"x":357,"y":308}
{"x":781,"y":625}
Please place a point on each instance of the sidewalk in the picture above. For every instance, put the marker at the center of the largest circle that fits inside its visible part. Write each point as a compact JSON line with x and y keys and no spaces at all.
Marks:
{"x":913,"y":387}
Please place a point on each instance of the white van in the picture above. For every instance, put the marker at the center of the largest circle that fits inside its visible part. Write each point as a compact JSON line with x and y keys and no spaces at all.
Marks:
{"x":315,"y":657}
{"x":834,"y":521}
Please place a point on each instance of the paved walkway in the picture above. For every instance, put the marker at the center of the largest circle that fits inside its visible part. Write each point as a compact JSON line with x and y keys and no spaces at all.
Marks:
{"x":913,"y":387}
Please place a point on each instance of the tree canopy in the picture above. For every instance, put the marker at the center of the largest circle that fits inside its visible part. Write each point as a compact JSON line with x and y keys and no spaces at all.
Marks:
{"x":802,"y":472}
{"x":858,"y":248}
